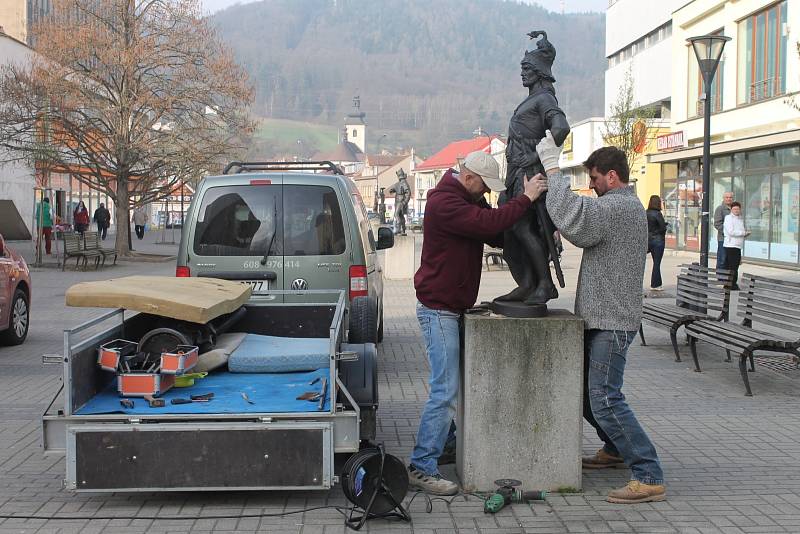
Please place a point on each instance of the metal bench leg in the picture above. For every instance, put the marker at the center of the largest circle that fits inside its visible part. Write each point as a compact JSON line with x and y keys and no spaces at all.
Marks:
{"x":729,"y":356}
{"x":673,"y":336}
{"x":752,"y":364}
{"x":693,"y":345}
{"x":743,"y":371}
{"x":688,"y":339}
{"x":641,"y":334}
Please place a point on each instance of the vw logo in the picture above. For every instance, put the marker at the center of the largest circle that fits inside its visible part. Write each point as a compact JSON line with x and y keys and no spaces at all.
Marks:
{"x":299,"y":284}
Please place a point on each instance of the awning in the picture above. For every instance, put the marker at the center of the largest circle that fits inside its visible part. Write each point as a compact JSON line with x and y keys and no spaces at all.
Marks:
{"x":735,"y":145}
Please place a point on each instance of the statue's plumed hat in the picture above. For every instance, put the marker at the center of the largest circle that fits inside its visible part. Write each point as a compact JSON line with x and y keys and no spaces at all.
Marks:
{"x":542,"y":57}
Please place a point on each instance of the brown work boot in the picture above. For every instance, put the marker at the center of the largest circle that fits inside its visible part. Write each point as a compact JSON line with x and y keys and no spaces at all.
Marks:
{"x":635,"y":492}
{"x":603,"y":460}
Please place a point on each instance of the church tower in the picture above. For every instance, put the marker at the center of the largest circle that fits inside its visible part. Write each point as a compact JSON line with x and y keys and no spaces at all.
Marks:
{"x":355,"y":127}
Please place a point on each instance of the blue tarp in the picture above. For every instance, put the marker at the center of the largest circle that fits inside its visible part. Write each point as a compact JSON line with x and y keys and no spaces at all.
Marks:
{"x":273,"y":393}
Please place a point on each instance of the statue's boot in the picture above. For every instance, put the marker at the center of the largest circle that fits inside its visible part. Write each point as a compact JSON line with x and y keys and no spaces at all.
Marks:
{"x":517,"y":294}
{"x":543,"y":292}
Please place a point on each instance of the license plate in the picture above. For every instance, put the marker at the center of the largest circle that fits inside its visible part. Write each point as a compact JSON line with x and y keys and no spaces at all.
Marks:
{"x":257,"y":285}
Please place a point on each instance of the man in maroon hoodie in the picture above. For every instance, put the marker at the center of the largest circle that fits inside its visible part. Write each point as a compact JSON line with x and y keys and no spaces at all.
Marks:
{"x":458,"y":221}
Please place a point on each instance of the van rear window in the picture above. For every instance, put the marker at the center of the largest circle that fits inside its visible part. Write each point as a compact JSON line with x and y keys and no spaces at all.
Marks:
{"x":241,"y":220}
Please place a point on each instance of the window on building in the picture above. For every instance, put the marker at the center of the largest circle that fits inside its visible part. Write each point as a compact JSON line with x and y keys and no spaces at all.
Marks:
{"x":355,"y":133}
{"x":762,"y":54}
{"x":697,"y":86}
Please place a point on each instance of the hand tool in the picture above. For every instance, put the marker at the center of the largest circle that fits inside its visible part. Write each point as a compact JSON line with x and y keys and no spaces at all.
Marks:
{"x":203,"y":397}
{"x":322,"y":394}
{"x":186,"y":401}
{"x":309,"y":396}
{"x":313,"y":381}
{"x":154,"y":402}
{"x":507,"y":493}
{"x":126,"y":403}
{"x":245,"y":397}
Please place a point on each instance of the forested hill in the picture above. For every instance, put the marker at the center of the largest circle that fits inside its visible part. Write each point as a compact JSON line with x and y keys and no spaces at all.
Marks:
{"x":426,"y":71}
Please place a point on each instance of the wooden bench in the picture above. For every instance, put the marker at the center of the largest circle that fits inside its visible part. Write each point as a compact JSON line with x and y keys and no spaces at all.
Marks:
{"x":764,"y":303}
{"x":702,"y":293}
{"x":74,"y":249}
{"x":91,"y":241}
{"x":494,"y":254}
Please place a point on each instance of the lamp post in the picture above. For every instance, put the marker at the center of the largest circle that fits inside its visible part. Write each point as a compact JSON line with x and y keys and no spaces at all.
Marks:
{"x":708,"y":49}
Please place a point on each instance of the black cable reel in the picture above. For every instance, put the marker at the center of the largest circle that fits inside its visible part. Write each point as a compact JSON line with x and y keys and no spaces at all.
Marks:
{"x":376,"y":483}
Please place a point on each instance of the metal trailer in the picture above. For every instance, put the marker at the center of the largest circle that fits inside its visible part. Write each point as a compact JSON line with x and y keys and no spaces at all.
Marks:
{"x":213,"y":452}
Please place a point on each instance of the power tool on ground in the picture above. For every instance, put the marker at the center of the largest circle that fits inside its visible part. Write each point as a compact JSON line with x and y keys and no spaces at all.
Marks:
{"x":507,"y":493}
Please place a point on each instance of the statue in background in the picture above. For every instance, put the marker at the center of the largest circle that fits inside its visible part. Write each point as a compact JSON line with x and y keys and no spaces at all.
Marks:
{"x":402,"y":196}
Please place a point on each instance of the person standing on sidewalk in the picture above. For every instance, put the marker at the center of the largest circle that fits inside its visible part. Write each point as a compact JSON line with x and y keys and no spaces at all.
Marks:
{"x":80,"y":216}
{"x":720,"y":213}
{"x":458,"y":221}
{"x":735,"y":232}
{"x":139,"y":220}
{"x":44,"y":219}
{"x":102,"y":217}
{"x":612,"y":231}
{"x":656,"y":239}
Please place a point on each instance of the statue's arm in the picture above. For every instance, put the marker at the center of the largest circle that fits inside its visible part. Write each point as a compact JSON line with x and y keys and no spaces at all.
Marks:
{"x":577,"y":217}
{"x":557,"y":124}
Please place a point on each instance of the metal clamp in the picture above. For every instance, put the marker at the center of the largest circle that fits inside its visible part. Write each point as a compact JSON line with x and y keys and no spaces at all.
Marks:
{"x":347,"y":356}
{"x":49,"y":359}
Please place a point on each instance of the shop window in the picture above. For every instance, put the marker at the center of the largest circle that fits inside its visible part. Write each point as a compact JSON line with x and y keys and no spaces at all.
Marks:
{"x":721,"y":164}
{"x":759,"y":159}
{"x":785,"y":216}
{"x":788,"y":157}
{"x":756,"y":204}
{"x":762,"y":54}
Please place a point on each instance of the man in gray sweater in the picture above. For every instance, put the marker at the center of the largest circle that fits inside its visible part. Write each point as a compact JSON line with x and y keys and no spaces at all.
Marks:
{"x":612,"y":231}
{"x":719,"y":221}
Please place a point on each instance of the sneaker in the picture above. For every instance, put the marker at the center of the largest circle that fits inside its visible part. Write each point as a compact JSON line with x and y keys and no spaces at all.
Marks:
{"x":659,"y":288}
{"x":448,"y":456}
{"x":635,"y":492}
{"x":432,"y":484}
{"x":603,"y":460}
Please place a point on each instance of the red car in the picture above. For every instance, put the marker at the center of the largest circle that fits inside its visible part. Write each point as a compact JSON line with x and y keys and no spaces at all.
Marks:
{"x":15,"y":296}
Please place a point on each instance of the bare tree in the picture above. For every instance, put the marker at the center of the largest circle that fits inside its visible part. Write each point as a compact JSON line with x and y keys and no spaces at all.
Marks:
{"x":627,"y":124}
{"x":131,"y":97}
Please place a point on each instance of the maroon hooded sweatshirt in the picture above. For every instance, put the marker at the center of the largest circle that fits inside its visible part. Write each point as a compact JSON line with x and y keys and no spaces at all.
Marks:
{"x":456,"y":227}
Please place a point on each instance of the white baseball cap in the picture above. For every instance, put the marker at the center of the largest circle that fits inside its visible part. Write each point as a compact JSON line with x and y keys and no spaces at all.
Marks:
{"x":486,"y":166}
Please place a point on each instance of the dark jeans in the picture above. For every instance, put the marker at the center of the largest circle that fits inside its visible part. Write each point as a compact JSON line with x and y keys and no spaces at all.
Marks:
{"x":656,"y":248}
{"x":604,"y":406}
{"x":733,"y":258}
{"x":102,"y":231}
{"x":139,"y":231}
{"x":720,"y":255}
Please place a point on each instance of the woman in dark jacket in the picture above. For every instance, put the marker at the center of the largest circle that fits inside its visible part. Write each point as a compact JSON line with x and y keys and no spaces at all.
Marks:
{"x":656,"y":230}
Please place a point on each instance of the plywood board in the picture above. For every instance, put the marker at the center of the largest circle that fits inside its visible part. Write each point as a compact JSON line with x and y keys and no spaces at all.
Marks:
{"x":198,"y":300}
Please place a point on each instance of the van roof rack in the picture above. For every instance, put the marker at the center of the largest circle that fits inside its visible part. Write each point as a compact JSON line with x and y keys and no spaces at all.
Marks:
{"x":249,"y":166}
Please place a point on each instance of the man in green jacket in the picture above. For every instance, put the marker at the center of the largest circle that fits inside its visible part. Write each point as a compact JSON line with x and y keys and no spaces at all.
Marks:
{"x":45,"y":221}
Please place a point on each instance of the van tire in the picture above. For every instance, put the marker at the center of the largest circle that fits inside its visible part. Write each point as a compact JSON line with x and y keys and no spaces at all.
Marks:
{"x":380,"y":327}
{"x":363,"y":324}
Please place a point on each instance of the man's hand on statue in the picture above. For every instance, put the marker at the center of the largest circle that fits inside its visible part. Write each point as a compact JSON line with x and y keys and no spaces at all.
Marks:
{"x":534,"y":187}
{"x":549,"y":152}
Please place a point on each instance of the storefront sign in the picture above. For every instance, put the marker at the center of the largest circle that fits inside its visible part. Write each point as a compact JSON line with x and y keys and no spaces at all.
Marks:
{"x":670,"y":141}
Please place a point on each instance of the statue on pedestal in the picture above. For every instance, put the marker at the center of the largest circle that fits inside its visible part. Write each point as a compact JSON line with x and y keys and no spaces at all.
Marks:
{"x":529,"y":245}
{"x":402,"y":195}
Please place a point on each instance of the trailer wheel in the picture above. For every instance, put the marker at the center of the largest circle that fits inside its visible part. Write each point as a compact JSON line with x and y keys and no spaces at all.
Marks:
{"x":18,"y":321}
{"x":363,"y":322}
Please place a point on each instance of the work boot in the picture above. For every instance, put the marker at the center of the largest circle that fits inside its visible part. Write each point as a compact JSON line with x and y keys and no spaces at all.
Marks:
{"x":432,"y":484}
{"x":635,"y":492}
{"x":603,"y":460}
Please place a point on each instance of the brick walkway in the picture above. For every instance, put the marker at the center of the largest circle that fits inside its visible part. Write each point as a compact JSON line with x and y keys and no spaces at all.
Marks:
{"x":732,"y":462}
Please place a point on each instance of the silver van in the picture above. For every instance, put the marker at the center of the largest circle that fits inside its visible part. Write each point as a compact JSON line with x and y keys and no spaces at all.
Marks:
{"x":288,"y":226}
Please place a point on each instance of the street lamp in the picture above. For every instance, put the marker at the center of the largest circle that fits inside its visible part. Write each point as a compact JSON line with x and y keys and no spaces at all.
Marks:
{"x":708,"y":49}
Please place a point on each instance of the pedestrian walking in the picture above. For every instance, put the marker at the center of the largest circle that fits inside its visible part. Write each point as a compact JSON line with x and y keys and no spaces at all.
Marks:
{"x":656,"y":239}
{"x":612,"y":231}
{"x":80,"y":217}
{"x":44,"y":219}
{"x":458,"y":221}
{"x":720,"y":213}
{"x":102,"y":218}
{"x":139,"y":221}
{"x":735,"y":232}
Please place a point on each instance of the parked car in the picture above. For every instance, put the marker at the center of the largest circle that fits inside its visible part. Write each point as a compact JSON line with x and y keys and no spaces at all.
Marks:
{"x":283,"y":226}
{"x":15,"y":296}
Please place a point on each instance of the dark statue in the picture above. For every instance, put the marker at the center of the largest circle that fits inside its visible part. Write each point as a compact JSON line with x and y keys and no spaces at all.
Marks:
{"x":402,"y":195}
{"x":529,"y":245}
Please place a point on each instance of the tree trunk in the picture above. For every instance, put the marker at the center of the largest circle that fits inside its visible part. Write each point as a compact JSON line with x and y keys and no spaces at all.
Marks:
{"x":123,"y":216}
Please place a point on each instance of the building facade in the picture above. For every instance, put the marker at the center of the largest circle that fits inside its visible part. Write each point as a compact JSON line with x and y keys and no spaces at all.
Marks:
{"x":755,"y":126}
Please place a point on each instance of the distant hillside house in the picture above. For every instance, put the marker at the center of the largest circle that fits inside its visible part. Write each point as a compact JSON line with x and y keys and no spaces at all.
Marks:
{"x":428,"y":173}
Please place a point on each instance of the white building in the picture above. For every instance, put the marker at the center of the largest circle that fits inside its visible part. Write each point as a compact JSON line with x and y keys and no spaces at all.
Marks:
{"x":755,"y":129}
{"x":17,"y":180}
{"x":638,"y":39}
{"x":584,"y":138}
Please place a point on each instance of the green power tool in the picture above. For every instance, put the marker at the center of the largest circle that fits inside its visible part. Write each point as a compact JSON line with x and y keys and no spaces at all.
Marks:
{"x":507,"y":493}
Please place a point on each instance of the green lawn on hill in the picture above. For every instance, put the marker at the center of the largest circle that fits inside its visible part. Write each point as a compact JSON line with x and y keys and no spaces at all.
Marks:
{"x":284,"y":133}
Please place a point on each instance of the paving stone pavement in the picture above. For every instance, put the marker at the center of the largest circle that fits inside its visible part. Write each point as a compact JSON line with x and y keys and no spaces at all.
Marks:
{"x":732,"y":463}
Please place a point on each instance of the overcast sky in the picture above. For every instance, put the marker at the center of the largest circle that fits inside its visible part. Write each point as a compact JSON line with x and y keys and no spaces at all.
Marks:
{"x":553,"y":5}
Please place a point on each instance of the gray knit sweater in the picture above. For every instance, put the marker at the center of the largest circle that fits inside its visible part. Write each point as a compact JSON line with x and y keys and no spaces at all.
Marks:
{"x":612,"y":231}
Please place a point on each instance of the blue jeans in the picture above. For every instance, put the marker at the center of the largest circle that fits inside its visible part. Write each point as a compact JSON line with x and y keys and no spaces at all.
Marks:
{"x":720,"y":255}
{"x":440,"y":329}
{"x":604,"y":405}
{"x":656,"y":248}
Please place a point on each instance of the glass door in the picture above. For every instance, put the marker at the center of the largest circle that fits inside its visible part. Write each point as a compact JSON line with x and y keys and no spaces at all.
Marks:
{"x":785,"y":217}
{"x":756,"y":209}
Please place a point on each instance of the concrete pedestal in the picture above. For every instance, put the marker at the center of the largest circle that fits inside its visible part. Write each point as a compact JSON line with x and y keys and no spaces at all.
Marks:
{"x":520,"y":401}
{"x":399,"y":260}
